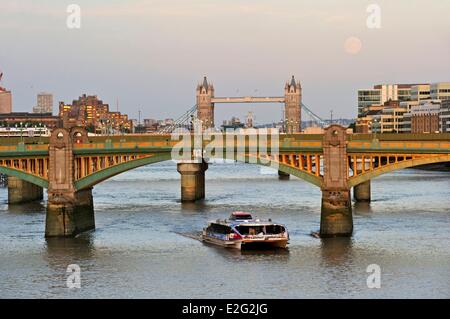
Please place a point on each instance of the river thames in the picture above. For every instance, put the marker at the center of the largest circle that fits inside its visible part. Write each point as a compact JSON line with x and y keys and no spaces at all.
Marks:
{"x":137,"y":250}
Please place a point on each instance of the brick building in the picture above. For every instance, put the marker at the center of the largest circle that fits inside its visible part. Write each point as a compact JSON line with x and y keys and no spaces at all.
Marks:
{"x":92,"y":113}
{"x":425,"y":117}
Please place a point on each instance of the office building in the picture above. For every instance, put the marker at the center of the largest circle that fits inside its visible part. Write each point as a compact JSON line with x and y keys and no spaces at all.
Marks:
{"x":44,"y":103}
{"x":5,"y":101}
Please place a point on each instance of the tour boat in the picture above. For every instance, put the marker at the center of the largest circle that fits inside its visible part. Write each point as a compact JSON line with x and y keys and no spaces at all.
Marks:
{"x":242,"y":231}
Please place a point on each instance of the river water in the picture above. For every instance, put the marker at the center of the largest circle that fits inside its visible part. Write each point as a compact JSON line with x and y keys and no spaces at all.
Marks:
{"x":137,"y":250}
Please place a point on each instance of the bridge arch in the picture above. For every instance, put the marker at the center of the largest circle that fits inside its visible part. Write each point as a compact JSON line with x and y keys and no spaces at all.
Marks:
{"x":33,"y":179}
{"x":303,"y":175}
{"x":104,"y":174}
{"x":359,"y":179}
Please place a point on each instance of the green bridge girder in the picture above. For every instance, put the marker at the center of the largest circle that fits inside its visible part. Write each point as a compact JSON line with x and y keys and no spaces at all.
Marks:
{"x":36,"y":180}
{"x":359,"y":179}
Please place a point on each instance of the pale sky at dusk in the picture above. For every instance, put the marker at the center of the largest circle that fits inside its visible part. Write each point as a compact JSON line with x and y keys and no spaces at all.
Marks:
{"x":152,"y":54}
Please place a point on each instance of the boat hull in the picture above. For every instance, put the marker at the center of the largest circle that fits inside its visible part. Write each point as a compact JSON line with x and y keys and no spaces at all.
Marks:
{"x":248,"y":243}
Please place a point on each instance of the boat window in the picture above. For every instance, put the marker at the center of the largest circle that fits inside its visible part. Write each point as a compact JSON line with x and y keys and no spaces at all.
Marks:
{"x":240,"y":216}
{"x":220,"y":229}
{"x":274,"y":229}
{"x":255,"y":230}
{"x":250,"y":230}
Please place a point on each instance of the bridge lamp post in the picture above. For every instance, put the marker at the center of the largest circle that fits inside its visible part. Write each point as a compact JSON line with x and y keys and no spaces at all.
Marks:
{"x":21,"y":131}
{"x":40,"y":129}
{"x":25,"y":126}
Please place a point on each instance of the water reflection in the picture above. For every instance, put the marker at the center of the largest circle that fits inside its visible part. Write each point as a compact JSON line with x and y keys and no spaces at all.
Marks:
{"x":26,"y":208}
{"x":362,"y":208}
{"x":63,"y":250}
{"x":335,"y":251}
{"x":193,"y":207}
{"x":252,"y":255}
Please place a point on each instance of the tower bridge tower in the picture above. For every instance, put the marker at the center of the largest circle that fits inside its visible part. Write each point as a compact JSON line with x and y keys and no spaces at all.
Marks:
{"x":205,"y":106}
{"x":293,"y":106}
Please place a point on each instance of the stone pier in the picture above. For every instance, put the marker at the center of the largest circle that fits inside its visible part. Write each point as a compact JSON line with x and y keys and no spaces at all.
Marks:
{"x":192,"y":181}
{"x":336,"y":218}
{"x":69,"y":214}
{"x":283,"y":175}
{"x":69,"y":211}
{"x":336,"y":214}
{"x":20,"y":191}
{"x":361,"y":192}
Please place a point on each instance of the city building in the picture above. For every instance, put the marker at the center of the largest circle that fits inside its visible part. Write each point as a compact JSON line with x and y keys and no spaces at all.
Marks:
{"x":150,"y":122}
{"x":234,"y":123}
{"x":44,"y":103}
{"x":5,"y":101}
{"x":150,"y":125}
{"x":92,"y":113}
{"x":249,"y":120}
{"x":425,"y":117}
{"x":386,"y":120}
{"x":402,"y":108}
{"x":420,"y":92}
{"x":444,"y":116}
{"x":440,"y":91}
{"x":24,"y":119}
{"x":382,"y":93}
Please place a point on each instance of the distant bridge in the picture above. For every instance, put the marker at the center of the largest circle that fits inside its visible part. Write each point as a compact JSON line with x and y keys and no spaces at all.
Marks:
{"x":203,"y":110}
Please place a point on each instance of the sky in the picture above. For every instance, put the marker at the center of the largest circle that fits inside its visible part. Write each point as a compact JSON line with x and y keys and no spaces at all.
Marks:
{"x":151,"y":54}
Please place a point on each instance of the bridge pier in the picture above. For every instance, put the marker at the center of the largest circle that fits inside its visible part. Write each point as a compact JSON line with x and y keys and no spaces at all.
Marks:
{"x":336,"y":218}
{"x":20,"y":191}
{"x":69,"y":214}
{"x":192,"y":181}
{"x":361,"y":192}
{"x":283,"y":175}
{"x":69,"y":211}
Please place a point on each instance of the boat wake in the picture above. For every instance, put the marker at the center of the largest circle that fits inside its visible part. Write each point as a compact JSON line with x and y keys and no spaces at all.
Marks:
{"x":197,"y":235}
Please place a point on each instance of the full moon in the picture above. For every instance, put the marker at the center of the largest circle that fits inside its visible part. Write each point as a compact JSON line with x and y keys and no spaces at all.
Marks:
{"x":353,"y":45}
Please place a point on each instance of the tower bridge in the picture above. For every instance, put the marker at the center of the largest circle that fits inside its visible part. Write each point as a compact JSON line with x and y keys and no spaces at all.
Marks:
{"x":70,"y":163}
{"x":203,"y":110}
{"x":292,"y":100}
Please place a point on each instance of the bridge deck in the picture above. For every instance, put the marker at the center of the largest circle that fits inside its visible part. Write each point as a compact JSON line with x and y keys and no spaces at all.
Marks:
{"x":248,"y":99}
{"x":139,"y":143}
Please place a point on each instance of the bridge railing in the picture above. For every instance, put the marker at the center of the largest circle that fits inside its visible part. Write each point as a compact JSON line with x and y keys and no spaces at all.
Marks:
{"x":21,"y":147}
